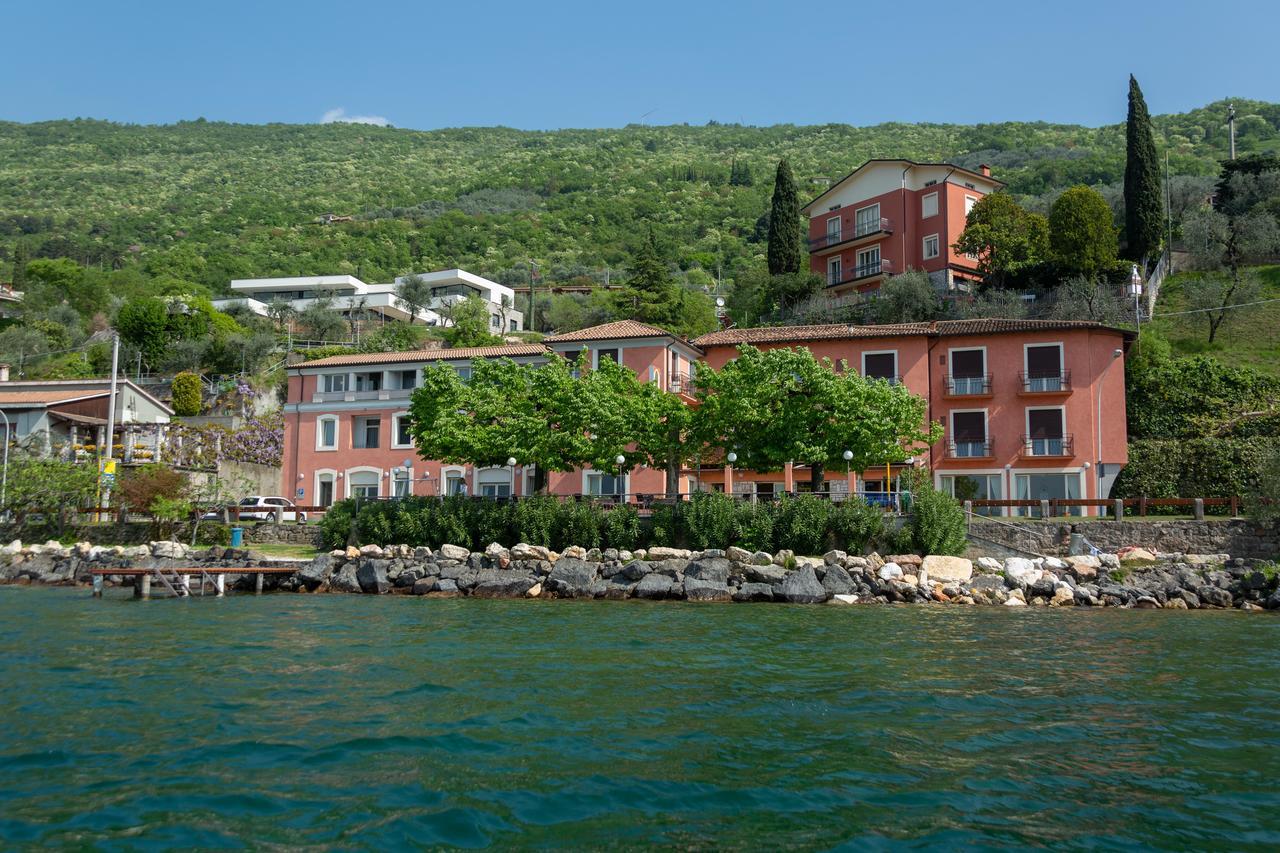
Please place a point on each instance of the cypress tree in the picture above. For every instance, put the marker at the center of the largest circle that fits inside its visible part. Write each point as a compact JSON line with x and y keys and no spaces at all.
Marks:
{"x":20,"y":265}
{"x":1143,"y":217}
{"x":784,"y":223}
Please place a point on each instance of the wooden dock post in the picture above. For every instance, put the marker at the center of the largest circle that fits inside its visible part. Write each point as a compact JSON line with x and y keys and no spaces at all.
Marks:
{"x":257,"y":583}
{"x":143,"y":589}
{"x":186,"y":583}
{"x":97,"y":586}
{"x":220,"y":584}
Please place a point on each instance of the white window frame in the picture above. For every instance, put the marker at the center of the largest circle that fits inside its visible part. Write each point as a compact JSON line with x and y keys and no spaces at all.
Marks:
{"x":986,"y":429}
{"x":401,"y":475}
{"x":589,"y":473}
{"x":1079,"y":472}
{"x":998,"y":473}
{"x":448,"y":471}
{"x":362,"y":469}
{"x":876,"y":219}
{"x":507,"y":478}
{"x":359,"y":424}
{"x":1026,"y":427}
{"x":337,"y":433}
{"x":595,"y":355}
{"x":969,"y":202}
{"x":951,"y":379}
{"x":1062,"y":359}
{"x":395,"y":431}
{"x":859,"y":265}
{"x":316,"y":477}
{"x":833,"y":236}
{"x":838,"y":262}
{"x":937,"y":247}
{"x":892,"y":352}
{"x":328,"y":379}
{"x":924,"y":214}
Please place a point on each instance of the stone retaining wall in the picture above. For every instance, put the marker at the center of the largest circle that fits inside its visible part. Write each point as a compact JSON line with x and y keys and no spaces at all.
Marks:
{"x":283,"y":534}
{"x":1218,"y":536}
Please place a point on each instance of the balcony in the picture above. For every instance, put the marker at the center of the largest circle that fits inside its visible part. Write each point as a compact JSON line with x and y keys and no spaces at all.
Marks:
{"x":969,"y":449}
{"x":1051,"y":447}
{"x":680,"y":383}
{"x":968,"y":386}
{"x":892,"y":380}
{"x":866,"y":272}
{"x":1045,"y":383}
{"x":862,"y":231}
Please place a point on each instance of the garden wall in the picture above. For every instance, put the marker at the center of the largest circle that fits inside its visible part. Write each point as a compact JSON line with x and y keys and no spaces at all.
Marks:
{"x":1236,"y":537}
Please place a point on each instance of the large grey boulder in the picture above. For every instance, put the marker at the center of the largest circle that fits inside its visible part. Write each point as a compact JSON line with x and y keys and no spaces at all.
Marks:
{"x":316,"y":572}
{"x":632,"y":571}
{"x":1215,"y":596}
{"x":653,"y":585}
{"x":344,"y":579}
{"x":501,"y":583}
{"x":698,"y":589}
{"x":754,"y":592}
{"x":837,"y":581}
{"x":410,"y":576}
{"x":454,"y":552}
{"x":372,"y":576}
{"x":572,"y":578}
{"x":713,"y":570}
{"x":802,"y":587}
{"x":770,"y":574}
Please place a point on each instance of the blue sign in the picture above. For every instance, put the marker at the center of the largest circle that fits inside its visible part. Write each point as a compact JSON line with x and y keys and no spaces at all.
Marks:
{"x":301,"y":492}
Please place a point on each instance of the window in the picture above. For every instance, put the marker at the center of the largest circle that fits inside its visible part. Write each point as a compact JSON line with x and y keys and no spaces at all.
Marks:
{"x":363,"y":484}
{"x":600,"y":484}
{"x":365,"y":432}
{"x":369,"y":381}
{"x":833,"y":230}
{"x":833,"y":270}
{"x":401,"y":482}
{"x":1045,"y":433}
{"x":335,"y":383}
{"x":880,"y":365}
{"x":327,"y":433}
{"x":1041,"y":487}
{"x":1044,"y":368}
{"x":495,"y":482}
{"x":403,"y":438}
{"x":867,"y":221}
{"x":969,"y":434}
{"x":974,"y":487}
{"x":404,"y":380}
{"x":929,"y":205}
{"x":868,"y":262}
{"x":324,"y":492}
{"x":931,"y":246}
{"x":464,"y":372}
{"x":455,"y":483}
{"x":495,"y":322}
{"x":969,"y":202}
{"x":968,"y":372}
{"x":513,"y":326}
{"x":607,"y":355}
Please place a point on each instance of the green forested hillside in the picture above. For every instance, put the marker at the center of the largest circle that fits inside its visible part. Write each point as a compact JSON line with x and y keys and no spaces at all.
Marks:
{"x":207,"y":202}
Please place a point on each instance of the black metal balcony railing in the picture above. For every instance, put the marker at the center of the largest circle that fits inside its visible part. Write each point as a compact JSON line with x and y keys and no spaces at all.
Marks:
{"x":861,"y":272}
{"x":969,"y":386}
{"x":1047,"y":445}
{"x":969,"y":448}
{"x":1045,"y":383}
{"x":862,"y":229}
{"x":680,"y":383}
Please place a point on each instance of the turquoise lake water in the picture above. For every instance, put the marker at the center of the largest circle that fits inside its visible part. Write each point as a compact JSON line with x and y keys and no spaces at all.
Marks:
{"x":361,"y":722}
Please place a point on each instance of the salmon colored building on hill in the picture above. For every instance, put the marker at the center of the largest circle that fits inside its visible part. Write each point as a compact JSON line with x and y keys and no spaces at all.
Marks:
{"x":890,"y":216}
{"x":1030,"y":409}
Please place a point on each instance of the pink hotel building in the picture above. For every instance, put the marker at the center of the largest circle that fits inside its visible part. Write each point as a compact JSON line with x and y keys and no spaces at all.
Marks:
{"x":1030,"y":409}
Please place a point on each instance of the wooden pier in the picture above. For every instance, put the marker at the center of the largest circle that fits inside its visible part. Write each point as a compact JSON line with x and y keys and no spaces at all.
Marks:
{"x":177,"y":581}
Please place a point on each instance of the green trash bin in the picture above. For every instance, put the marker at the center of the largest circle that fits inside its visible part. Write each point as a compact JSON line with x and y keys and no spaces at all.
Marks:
{"x":237,"y":537}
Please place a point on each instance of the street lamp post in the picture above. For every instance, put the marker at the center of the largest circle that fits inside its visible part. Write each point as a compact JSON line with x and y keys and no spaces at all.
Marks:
{"x":1135,"y":290}
{"x":848,"y":471}
{"x":728,"y":473}
{"x":511,"y":463}
{"x":4,"y":479}
{"x":620,"y":460}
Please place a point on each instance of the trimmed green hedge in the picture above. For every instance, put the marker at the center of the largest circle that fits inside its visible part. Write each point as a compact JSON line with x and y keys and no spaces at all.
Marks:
{"x":1194,"y":468}
{"x":186,"y":395}
{"x":804,"y":524}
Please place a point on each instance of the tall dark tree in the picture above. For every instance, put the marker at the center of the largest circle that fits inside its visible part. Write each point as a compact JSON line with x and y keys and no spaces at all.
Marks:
{"x":20,"y":259}
{"x":784,"y":223}
{"x":1143,"y":217}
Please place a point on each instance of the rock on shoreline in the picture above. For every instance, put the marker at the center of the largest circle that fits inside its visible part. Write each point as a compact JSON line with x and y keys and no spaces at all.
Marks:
{"x":1168,"y":581}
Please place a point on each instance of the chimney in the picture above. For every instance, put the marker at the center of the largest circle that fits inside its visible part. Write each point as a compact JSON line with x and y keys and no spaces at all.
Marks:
{"x":985,"y":169}
{"x":4,"y":373}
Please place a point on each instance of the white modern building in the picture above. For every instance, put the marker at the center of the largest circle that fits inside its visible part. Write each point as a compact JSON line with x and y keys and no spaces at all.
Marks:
{"x":349,"y":294}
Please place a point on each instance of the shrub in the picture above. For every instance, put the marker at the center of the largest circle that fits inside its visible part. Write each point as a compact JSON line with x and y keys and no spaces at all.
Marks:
{"x":336,"y":524}
{"x":140,"y":487}
{"x":854,"y":524}
{"x":213,"y":533}
{"x":186,"y":395}
{"x":1263,"y":503}
{"x":448,"y":523}
{"x":753,"y":525}
{"x":801,"y":524}
{"x":664,"y":525}
{"x":535,"y":520}
{"x":489,"y":521}
{"x":578,"y":523}
{"x":709,"y":520}
{"x":937,"y":523}
{"x":622,"y":528}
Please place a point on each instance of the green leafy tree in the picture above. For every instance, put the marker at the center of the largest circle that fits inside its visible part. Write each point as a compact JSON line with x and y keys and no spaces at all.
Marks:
{"x":187,"y":395}
{"x":1082,"y":238}
{"x":784,"y":223}
{"x":281,"y":313}
{"x":322,"y":321}
{"x":470,"y":324}
{"x":1087,"y":298}
{"x":1143,"y":213}
{"x":414,"y":294}
{"x":782,"y":405}
{"x":143,"y":323}
{"x":21,"y":256}
{"x":63,"y":282}
{"x":1006,"y":239}
{"x":907,"y":298}
{"x":50,"y":486}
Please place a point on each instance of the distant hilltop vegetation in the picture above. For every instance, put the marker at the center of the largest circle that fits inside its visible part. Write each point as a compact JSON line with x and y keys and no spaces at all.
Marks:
{"x":207,"y":202}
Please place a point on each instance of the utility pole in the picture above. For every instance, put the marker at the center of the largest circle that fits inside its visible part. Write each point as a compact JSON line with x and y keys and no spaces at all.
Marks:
{"x":533,"y":307}
{"x":108,"y":465}
{"x":1168,"y":211}
{"x":1231,"y":128}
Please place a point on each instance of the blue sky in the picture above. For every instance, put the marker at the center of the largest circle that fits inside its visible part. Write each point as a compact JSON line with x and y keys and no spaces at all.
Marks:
{"x":603,"y":64}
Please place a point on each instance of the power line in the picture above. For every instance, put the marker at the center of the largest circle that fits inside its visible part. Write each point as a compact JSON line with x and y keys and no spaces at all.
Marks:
{"x":1220,"y":308}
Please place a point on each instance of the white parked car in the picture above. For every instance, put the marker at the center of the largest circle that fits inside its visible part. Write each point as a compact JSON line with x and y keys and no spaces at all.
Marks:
{"x":263,"y":508}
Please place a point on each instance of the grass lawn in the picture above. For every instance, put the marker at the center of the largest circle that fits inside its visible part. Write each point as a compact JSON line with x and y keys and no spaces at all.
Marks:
{"x":1250,"y":337}
{"x":304,"y":552}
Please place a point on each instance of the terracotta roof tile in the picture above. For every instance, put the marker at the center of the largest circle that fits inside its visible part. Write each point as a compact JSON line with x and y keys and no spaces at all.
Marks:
{"x":610,"y":331}
{"x":504,"y":351}
{"x":941,"y":328}
{"x":47,"y":397}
